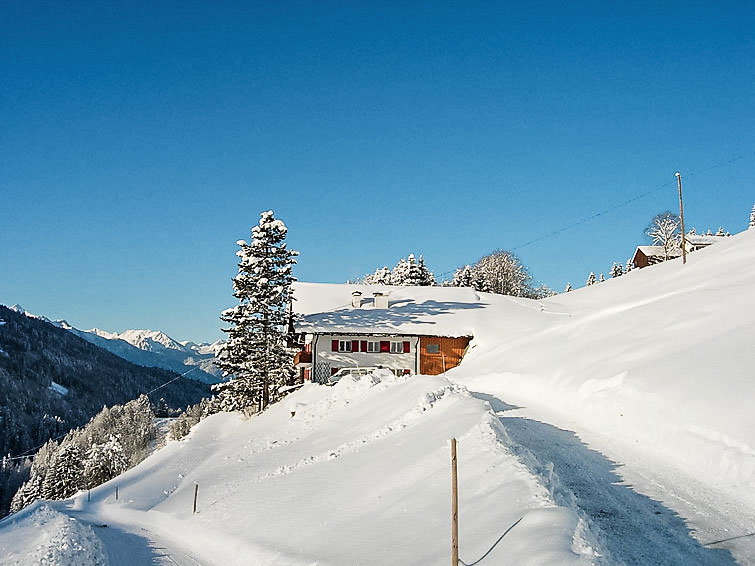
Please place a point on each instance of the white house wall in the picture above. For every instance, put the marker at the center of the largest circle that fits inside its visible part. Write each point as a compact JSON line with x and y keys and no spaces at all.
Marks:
{"x":322,"y":353}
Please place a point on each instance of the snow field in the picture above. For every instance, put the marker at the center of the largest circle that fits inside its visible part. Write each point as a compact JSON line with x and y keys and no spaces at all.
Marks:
{"x":654,"y":369}
{"x":360,"y":474}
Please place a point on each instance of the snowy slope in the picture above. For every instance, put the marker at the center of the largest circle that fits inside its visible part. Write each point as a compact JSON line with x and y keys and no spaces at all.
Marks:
{"x":358,"y":473}
{"x":655,"y":369}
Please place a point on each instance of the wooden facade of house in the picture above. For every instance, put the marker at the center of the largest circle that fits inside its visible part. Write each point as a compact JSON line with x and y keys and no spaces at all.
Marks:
{"x":438,"y":354}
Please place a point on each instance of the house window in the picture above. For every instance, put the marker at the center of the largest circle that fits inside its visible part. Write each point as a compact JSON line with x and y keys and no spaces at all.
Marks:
{"x":344,"y":345}
{"x":397,"y":347}
{"x":373,"y":346}
{"x":432,"y":348}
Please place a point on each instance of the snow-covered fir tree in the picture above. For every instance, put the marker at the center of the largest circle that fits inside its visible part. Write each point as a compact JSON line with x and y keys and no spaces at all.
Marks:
{"x":463,"y":277}
{"x":616,"y":270}
{"x":33,"y":488}
{"x":629,"y":266}
{"x":104,"y":462}
{"x":66,"y":473}
{"x":591,"y":280}
{"x":382,"y":276}
{"x":568,"y":288}
{"x":413,"y":277}
{"x":400,"y":272}
{"x":601,"y":279}
{"x":426,"y":277}
{"x":752,"y":217}
{"x":255,"y":355}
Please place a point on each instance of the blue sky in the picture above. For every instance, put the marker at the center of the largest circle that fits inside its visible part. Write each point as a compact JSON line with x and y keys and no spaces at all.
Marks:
{"x":139,"y":142}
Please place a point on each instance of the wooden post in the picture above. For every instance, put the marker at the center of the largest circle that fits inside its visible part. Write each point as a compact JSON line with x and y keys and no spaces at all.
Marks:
{"x":116,"y":493}
{"x":454,"y":508}
{"x":681,"y":217}
{"x":196,"y":488}
{"x":89,"y":495}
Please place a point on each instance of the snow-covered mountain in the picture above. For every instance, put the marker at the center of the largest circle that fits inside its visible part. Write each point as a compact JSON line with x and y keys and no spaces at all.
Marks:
{"x":150,"y":348}
{"x":610,"y":425}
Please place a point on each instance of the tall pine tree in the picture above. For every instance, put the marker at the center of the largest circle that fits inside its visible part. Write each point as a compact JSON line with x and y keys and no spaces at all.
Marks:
{"x":255,"y":355}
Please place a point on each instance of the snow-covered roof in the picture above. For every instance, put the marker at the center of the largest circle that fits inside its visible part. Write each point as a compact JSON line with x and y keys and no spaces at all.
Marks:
{"x":703,"y":239}
{"x":657,"y":251}
{"x":425,"y":311}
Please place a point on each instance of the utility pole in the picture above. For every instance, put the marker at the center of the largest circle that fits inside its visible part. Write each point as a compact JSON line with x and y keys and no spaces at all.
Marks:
{"x":681,"y":217}
{"x":454,"y":508}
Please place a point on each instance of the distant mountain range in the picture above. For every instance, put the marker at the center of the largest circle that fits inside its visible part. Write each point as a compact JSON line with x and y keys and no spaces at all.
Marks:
{"x":150,"y":348}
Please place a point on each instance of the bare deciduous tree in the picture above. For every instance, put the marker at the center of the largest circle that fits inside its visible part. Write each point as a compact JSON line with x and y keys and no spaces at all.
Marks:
{"x":665,"y":231}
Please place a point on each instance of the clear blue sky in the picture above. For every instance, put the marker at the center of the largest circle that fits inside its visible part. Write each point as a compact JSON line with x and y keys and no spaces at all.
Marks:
{"x":139,"y":141}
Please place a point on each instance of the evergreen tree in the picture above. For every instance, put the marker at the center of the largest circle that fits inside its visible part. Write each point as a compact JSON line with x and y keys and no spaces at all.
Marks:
{"x":463,"y":277}
{"x":616,"y":270}
{"x":426,"y":277}
{"x":413,"y":276}
{"x":568,"y":288}
{"x":400,"y":272}
{"x":752,"y":217}
{"x":104,"y":462}
{"x":382,"y":276}
{"x":255,"y":355}
{"x":66,"y":473}
{"x":591,"y":279}
{"x":629,"y":266}
{"x":601,"y":279}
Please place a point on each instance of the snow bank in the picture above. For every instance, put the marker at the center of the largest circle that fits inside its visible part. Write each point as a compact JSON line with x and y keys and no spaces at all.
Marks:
{"x":41,"y":535}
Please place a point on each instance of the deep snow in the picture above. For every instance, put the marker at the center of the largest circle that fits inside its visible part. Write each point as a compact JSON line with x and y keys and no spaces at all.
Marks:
{"x":623,"y":433}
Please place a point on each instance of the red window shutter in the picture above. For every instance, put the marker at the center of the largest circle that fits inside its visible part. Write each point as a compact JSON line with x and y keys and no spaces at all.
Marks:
{"x":385,"y":346}
{"x":333,"y":371}
{"x":364,"y":346}
{"x":355,"y":345}
{"x":406,"y":347}
{"x":335,"y":345}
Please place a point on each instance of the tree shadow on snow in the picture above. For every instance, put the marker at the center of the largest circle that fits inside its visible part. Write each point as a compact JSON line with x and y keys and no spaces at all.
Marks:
{"x":403,"y":311}
{"x":630,"y":528}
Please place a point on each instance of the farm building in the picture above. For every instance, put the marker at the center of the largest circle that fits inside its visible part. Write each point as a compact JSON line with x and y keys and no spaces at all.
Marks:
{"x":408,"y":330}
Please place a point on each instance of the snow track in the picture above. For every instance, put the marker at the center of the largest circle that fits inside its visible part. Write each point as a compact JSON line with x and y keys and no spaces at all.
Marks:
{"x":124,"y":545}
{"x":628,"y":527}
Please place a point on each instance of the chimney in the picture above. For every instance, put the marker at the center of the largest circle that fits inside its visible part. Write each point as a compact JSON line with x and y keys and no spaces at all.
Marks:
{"x":380,"y":300}
{"x":356,"y":299}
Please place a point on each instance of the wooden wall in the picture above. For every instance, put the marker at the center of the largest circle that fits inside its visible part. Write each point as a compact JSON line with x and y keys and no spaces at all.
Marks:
{"x":451,"y":351}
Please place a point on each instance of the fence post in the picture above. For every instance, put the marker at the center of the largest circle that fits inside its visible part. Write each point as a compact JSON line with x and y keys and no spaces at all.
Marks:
{"x":454,"y":508}
{"x":116,"y":493}
{"x":196,"y":488}
{"x":89,"y":495}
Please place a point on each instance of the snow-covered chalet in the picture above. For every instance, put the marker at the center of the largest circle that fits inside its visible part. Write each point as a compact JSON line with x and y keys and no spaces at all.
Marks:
{"x":407,"y":330}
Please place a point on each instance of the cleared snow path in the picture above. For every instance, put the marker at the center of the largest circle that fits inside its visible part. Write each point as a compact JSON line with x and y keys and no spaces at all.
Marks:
{"x":630,"y":528}
{"x":124,"y":545}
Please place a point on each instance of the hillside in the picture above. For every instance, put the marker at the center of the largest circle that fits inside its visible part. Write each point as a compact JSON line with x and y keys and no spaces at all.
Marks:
{"x":621,"y":432}
{"x":149,"y":348}
{"x":52,"y":381}
{"x":655,"y":370}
